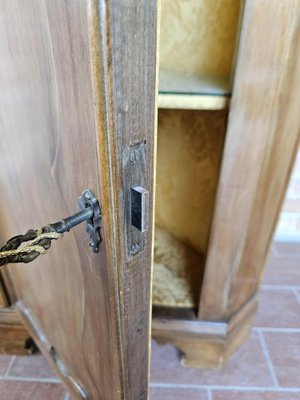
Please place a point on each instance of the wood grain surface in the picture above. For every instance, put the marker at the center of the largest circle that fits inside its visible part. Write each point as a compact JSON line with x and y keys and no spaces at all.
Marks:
{"x":13,"y":334}
{"x":261,"y":143}
{"x":77,"y":84}
{"x":127,"y":90}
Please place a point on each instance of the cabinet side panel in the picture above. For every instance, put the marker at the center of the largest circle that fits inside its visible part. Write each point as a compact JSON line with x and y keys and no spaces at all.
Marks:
{"x":260,"y":147}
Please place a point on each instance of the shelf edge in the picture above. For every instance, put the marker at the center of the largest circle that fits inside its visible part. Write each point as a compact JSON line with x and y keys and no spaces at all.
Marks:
{"x":193,"y":102}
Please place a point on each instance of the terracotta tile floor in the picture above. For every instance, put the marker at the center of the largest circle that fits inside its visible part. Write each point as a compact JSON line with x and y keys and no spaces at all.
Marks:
{"x":267,"y":366}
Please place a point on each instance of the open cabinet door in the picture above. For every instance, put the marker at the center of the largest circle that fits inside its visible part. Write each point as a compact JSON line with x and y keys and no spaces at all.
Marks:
{"x":77,"y":111}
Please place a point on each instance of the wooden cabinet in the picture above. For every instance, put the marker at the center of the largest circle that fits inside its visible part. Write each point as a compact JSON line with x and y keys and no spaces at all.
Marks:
{"x":222,"y":167}
{"x":79,"y":111}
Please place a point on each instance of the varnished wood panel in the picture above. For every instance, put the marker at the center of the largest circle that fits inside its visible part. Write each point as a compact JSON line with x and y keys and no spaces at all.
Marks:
{"x":199,"y":36}
{"x":49,"y":152}
{"x":77,"y":84}
{"x":261,"y":142}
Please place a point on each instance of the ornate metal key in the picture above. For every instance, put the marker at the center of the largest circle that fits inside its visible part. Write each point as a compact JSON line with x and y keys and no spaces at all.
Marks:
{"x":25,"y":248}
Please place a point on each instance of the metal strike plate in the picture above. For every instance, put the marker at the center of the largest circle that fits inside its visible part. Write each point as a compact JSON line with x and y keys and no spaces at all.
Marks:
{"x":139,"y":208}
{"x":136,"y":198}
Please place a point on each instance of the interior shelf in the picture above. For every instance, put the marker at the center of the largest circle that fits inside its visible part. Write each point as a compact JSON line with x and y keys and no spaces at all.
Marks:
{"x":180,"y":90}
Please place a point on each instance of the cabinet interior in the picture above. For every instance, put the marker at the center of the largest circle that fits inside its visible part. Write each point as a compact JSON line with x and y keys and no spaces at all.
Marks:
{"x":197,"y":44}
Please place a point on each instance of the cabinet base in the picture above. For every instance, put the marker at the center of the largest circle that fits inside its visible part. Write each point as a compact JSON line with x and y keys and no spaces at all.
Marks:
{"x":205,"y":344}
{"x":14,"y":337}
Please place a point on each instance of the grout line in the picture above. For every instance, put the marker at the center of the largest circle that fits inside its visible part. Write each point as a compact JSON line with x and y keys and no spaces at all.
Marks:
{"x":275,"y":330}
{"x":268,"y":358}
{"x":23,"y":379}
{"x":9,"y":366}
{"x":209,"y":394}
{"x":233,"y":388}
{"x":297,"y":294}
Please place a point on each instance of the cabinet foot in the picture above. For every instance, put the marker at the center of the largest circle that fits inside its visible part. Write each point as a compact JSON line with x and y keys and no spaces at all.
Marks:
{"x":206,"y":344}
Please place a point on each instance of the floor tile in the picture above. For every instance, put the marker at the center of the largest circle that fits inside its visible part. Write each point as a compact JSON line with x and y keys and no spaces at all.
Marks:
{"x":287,"y":250}
{"x":237,"y":395}
{"x":284,"y":350}
{"x":4,"y":363}
{"x":177,"y":394}
{"x":34,"y":366}
{"x":247,"y":367}
{"x":282,"y":271}
{"x":278,"y":309}
{"x":20,"y":390}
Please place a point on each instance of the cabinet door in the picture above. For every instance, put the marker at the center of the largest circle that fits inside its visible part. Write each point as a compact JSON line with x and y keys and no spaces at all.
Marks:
{"x":77,"y":111}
